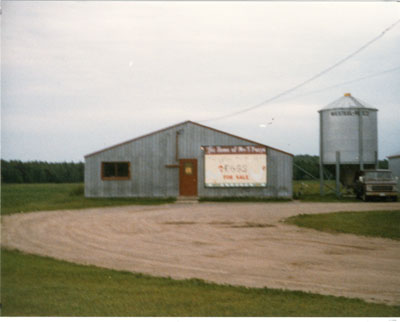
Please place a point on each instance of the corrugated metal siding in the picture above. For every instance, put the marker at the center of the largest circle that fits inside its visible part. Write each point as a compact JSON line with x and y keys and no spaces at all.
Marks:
{"x":394,"y":166}
{"x":149,"y":176}
{"x":341,"y":133}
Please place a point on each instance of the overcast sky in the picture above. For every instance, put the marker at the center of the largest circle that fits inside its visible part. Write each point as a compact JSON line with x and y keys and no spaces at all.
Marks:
{"x":80,"y":76}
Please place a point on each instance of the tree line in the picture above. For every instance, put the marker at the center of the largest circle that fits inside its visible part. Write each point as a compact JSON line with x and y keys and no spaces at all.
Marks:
{"x":15,"y":171}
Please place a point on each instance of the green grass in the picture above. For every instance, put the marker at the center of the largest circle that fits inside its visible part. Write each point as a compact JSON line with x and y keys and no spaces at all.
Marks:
{"x":384,"y":224}
{"x":242,"y":199}
{"x":35,"y":197}
{"x":309,"y":191}
{"x":40,"y":286}
{"x":17,"y":198}
{"x":303,"y":190}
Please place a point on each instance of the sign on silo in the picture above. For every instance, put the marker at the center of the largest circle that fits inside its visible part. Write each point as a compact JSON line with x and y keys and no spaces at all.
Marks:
{"x":235,"y":166}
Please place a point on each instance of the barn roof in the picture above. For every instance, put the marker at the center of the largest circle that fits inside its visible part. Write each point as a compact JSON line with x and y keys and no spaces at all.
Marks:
{"x":179,"y":124}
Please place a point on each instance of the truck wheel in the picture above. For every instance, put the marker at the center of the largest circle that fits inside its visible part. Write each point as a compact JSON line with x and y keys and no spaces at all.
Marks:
{"x":395,"y":198}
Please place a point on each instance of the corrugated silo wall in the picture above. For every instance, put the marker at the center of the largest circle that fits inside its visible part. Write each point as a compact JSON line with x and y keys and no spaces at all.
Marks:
{"x":150,"y":178}
{"x":394,"y":166}
{"x":340,"y":132}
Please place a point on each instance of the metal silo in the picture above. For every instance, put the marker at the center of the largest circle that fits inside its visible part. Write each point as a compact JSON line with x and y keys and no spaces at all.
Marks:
{"x":348,"y":138}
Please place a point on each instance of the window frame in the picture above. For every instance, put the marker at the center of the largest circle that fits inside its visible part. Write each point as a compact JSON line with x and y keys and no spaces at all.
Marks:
{"x":104,"y":178}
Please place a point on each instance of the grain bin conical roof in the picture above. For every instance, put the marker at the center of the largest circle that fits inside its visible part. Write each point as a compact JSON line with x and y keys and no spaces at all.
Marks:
{"x":348,"y":101}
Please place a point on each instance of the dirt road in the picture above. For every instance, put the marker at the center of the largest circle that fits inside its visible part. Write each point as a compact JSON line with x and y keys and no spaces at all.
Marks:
{"x":241,"y":244}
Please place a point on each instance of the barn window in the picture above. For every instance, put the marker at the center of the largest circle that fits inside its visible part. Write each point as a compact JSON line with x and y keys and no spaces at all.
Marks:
{"x":115,"y":170}
{"x":188,"y":168}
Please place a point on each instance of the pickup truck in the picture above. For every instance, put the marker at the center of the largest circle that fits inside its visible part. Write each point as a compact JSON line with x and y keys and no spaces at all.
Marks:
{"x":376,"y":184}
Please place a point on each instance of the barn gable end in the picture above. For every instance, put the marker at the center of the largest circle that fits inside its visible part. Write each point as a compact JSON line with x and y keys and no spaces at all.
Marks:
{"x":154,"y":165}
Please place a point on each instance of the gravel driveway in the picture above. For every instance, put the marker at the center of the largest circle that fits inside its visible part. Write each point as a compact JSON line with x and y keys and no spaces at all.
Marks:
{"x":232,"y":243}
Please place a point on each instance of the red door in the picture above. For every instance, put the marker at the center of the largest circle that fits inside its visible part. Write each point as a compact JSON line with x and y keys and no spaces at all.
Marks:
{"x":188,"y":177}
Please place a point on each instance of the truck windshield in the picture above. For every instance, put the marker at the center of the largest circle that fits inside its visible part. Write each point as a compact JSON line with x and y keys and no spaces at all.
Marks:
{"x":378,"y":176}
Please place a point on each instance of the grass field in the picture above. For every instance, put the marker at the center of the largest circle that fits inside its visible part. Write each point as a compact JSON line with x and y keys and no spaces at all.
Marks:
{"x":243,"y":199}
{"x":384,"y":224}
{"x":304,"y":190}
{"x":309,"y":190}
{"x":38,"y":286}
{"x":46,"y":196}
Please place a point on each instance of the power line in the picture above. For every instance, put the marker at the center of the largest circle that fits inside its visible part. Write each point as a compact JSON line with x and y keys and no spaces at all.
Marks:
{"x":348,"y":82}
{"x":308,"y":80}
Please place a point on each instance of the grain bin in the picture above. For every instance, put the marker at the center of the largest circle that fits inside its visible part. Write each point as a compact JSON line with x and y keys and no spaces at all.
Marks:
{"x":348,"y":138}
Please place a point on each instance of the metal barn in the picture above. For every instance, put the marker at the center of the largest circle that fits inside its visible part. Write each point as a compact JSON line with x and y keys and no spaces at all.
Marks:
{"x":394,"y":166}
{"x":189,"y":159}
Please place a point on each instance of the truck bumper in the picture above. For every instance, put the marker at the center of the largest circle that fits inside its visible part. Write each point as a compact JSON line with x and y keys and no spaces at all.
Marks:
{"x":381,"y":194}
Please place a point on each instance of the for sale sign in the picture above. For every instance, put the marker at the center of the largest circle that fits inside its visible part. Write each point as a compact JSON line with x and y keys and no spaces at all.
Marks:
{"x":235,"y":166}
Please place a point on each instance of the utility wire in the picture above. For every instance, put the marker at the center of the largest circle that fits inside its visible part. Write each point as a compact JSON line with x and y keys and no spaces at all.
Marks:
{"x":308,"y":80}
{"x":346,"y":83}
